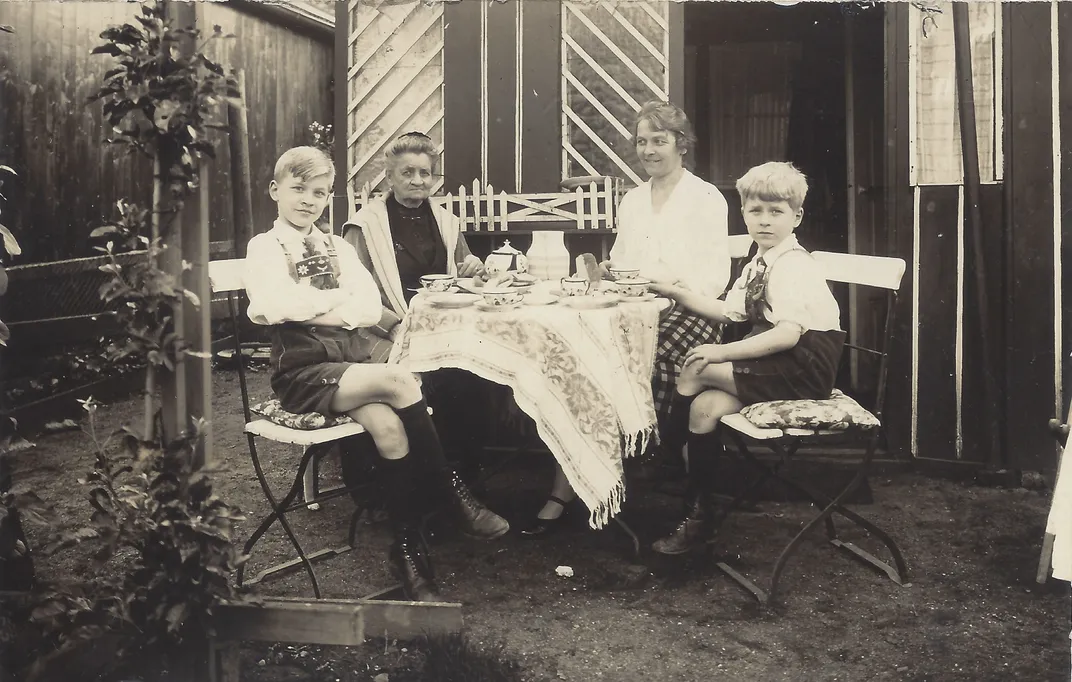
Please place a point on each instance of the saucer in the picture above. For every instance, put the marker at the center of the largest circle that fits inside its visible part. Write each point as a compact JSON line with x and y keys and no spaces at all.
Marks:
{"x":540,"y":299}
{"x":646,"y":296}
{"x":447,"y":300}
{"x":466,"y":284}
{"x":591,"y":302}
{"x":483,"y":305}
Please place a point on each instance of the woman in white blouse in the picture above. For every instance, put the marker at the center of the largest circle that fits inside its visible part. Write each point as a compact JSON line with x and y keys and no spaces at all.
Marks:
{"x":675,"y":229}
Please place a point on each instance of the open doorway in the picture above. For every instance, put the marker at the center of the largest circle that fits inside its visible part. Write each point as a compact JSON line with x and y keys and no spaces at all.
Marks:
{"x":771,"y":82}
{"x":801,"y":83}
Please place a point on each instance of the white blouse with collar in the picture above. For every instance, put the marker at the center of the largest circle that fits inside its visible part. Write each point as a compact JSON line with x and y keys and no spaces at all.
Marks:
{"x":274,"y":296}
{"x":687,"y":239}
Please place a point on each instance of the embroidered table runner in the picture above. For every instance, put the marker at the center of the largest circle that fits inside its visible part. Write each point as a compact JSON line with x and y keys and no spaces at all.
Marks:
{"x":584,"y":376}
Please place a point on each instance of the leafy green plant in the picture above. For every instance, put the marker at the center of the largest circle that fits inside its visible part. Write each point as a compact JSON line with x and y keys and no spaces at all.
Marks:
{"x":159,"y":100}
{"x":157,"y":517}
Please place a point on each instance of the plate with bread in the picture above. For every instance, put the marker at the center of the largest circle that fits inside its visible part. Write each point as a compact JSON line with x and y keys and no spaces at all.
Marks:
{"x":516,"y":280}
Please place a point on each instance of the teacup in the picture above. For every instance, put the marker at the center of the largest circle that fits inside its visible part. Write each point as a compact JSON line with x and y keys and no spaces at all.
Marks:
{"x":501,"y":296}
{"x":632,"y":288}
{"x":624,"y":273}
{"x":575,"y":286}
{"x":437,"y":283}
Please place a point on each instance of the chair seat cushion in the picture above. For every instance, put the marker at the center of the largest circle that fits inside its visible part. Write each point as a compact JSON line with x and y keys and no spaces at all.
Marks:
{"x":839,"y":412}
{"x":274,"y":412}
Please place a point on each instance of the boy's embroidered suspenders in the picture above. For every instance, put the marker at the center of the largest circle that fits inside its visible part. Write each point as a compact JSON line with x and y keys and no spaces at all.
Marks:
{"x":319,"y":267}
{"x":755,"y":297}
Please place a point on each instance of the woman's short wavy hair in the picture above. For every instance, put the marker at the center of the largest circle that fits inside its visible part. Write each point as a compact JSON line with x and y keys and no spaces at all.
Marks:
{"x":411,"y":143}
{"x":671,"y":118}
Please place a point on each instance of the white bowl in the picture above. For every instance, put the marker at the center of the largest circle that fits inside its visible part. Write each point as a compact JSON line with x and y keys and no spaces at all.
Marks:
{"x":437,"y":283}
{"x":632,"y":288}
{"x":501,"y":296}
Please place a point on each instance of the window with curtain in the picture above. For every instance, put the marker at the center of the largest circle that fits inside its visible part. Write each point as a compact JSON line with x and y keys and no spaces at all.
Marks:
{"x":750,"y":94}
{"x":936,"y":134}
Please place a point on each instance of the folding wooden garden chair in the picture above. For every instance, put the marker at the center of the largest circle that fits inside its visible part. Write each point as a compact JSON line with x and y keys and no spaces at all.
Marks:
{"x":225,"y":277}
{"x":785,"y":426}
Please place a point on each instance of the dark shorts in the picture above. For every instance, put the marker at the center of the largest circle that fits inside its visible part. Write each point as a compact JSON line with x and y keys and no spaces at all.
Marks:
{"x":308,"y":362}
{"x":806,"y":371}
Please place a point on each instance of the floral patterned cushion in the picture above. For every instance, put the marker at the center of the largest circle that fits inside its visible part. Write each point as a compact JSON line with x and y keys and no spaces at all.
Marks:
{"x":839,"y":412}
{"x":274,"y":412}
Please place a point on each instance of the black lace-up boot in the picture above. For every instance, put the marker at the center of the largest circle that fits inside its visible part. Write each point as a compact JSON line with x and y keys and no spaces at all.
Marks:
{"x":695,"y":529}
{"x":444,"y":484}
{"x":408,"y":556}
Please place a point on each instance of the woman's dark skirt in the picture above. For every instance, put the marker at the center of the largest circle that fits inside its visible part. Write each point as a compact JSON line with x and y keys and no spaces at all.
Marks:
{"x":308,"y":362}
{"x":806,"y":371}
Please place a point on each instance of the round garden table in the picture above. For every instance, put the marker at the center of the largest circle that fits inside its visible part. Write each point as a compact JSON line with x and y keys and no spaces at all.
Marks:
{"x":582,"y":374}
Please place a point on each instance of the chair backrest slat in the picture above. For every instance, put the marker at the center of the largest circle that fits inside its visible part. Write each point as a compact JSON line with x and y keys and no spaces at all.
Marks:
{"x":225,"y":276}
{"x":851,"y":268}
{"x":740,"y":244}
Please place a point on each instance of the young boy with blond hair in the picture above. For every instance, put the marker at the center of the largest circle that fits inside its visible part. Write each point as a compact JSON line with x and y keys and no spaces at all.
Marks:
{"x":312,"y":291}
{"x":792,"y":352}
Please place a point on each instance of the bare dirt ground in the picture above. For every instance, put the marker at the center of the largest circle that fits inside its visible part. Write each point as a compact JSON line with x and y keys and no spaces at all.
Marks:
{"x":972,"y":611}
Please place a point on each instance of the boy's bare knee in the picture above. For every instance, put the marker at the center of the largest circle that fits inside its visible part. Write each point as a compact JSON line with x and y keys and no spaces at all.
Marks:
{"x":402,"y":385}
{"x":388,"y":435}
{"x":707,"y":409}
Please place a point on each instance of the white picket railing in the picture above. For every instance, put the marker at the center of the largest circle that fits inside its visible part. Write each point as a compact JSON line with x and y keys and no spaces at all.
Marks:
{"x":586,"y":208}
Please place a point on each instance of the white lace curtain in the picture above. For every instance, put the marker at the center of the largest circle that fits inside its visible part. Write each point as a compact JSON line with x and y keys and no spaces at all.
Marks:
{"x":936,"y":137}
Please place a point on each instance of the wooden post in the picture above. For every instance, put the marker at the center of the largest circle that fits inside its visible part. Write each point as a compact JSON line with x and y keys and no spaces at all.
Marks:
{"x":340,"y":123}
{"x":241,"y":183}
{"x":186,"y":392}
{"x":970,"y":151}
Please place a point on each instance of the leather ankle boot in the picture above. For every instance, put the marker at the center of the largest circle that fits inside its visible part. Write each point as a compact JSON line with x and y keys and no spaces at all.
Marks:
{"x":693,"y":531}
{"x":410,"y":566}
{"x":475,"y":519}
{"x":705,"y":449}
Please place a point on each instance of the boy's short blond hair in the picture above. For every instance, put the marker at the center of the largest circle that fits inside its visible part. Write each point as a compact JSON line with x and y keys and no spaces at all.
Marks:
{"x":774,"y":181}
{"x":305,"y":163}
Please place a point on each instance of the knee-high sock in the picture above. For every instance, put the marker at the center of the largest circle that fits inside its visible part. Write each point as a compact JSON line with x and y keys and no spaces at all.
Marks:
{"x":398,"y":480}
{"x":705,"y":451}
{"x":357,"y":454}
{"x":423,"y":439}
{"x":674,"y":431}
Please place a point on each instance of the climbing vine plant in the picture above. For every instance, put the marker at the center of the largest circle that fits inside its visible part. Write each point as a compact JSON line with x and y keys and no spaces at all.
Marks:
{"x":159,"y":100}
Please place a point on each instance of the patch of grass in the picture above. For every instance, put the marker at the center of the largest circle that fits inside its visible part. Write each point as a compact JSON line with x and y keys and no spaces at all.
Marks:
{"x":454,"y":658}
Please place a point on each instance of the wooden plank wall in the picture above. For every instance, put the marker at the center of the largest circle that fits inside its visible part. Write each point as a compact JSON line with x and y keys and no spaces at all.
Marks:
{"x":1030,"y":368}
{"x":502,"y":102}
{"x":1065,"y":130}
{"x":936,"y":396}
{"x":280,"y":105}
{"x":69,"y":181}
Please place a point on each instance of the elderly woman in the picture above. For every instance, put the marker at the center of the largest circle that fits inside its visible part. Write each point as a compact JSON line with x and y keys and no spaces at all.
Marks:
{"x":674,"y":228}
{"x":400,"y":237}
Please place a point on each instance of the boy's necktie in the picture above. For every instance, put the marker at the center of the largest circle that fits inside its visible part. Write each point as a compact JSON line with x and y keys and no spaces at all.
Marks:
{"x":755,"y":293}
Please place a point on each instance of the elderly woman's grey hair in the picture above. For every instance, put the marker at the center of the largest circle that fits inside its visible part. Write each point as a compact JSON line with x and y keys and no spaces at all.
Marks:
{"x":411,"y":143}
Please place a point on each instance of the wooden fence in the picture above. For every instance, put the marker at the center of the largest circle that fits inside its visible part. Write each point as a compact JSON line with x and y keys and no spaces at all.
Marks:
{"x":590,"y":207}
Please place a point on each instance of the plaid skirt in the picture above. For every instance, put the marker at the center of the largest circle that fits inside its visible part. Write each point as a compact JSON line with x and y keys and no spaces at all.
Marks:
{"x":679,"y":332}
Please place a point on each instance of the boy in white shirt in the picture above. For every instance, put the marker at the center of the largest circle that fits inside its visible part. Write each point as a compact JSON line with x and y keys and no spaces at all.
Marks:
{"x":792,"y":352}
{"x":312,"y":291}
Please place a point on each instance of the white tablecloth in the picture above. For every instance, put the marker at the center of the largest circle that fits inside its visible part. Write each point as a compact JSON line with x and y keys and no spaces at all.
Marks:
{"x":584,"y":377}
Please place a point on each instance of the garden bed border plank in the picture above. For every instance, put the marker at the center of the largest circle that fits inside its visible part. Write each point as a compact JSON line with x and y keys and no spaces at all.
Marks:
{"x":331,"y":622}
